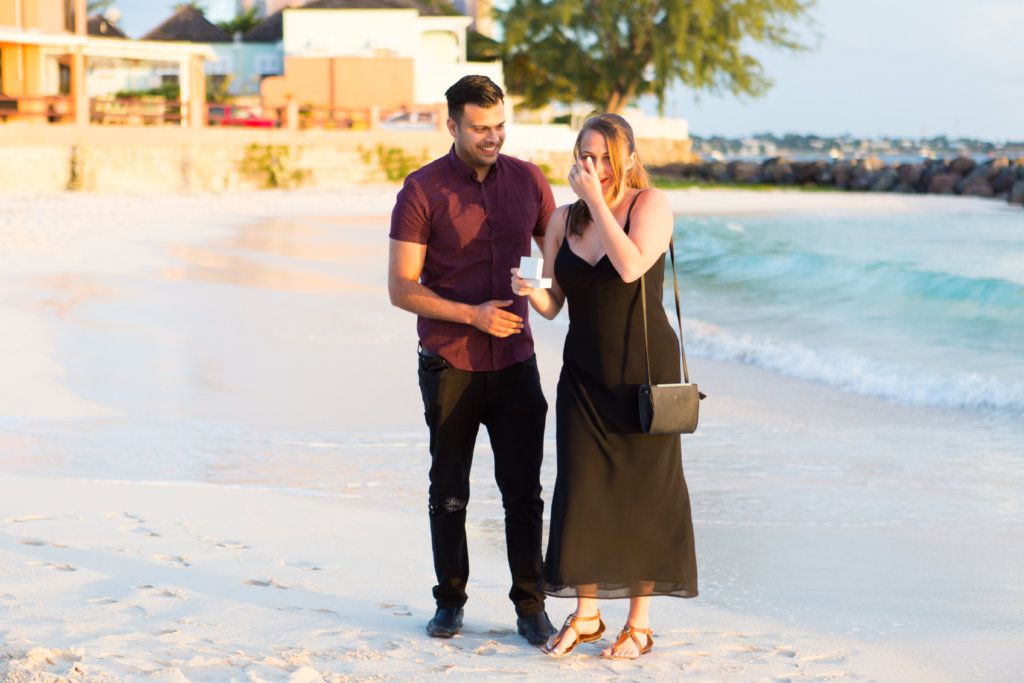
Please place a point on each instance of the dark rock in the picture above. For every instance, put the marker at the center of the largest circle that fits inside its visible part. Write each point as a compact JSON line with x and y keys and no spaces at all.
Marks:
{"x":826,"y":175}
{"x":910,"y":174}
{"x":778,"y":171}
{"x":863,"y":179}
{"x":718,"y":172}
{"x":962,"y":165}
{"x":1003,"y":180}
{"x":943,"y":183}
{"x":905,"y":188}
{"x":809,"y":172}
{"x":674,"y":170}
{"x":1017,"y":193}
{"x":977,"y":188}
{"x":932,"y":168}
{"x":842,"y":173}
{"x":744,"y":171}
{"x":985,"y":171}
{"x":886,"y":181}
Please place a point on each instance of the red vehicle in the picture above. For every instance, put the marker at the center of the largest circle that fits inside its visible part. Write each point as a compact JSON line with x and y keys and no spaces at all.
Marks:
{"x":234,"y":115}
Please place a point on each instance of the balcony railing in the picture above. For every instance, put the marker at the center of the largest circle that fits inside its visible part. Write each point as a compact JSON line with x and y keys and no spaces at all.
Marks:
{"x":46,"y":109}
{"x":139,"y":111}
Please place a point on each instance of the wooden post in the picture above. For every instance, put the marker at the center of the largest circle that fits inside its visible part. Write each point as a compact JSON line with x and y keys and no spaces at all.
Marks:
{"x":185,"y":91}
{"x":197,"y":107}
{"x":78,"y":93}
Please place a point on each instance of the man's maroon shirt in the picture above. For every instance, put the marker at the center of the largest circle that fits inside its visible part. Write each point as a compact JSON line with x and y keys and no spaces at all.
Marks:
{"x":475,"y":234}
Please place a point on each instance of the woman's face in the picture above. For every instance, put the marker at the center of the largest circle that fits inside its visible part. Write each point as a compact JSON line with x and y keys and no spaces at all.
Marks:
{"x":595,"y":147}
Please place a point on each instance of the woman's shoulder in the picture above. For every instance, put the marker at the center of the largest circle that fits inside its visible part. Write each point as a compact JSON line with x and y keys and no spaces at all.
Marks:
{"x":651,"y":194}
{"x":558,"y":216}
{"x":652,"y":198}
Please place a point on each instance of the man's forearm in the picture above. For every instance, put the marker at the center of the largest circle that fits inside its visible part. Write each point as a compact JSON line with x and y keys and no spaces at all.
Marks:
{"x":415,"y":298}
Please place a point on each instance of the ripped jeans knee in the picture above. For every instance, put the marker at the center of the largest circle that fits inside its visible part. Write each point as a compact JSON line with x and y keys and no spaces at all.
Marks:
{"x":447,"y":505}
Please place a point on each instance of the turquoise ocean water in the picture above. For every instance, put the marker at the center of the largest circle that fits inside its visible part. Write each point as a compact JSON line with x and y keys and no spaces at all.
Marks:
{"x":919,"y":308}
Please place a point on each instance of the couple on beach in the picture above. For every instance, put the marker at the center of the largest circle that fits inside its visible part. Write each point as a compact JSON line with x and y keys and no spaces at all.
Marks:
{"x":620,"y":519}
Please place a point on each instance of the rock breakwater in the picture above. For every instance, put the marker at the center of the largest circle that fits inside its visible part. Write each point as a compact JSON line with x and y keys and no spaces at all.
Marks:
{"x":1000,"y":178}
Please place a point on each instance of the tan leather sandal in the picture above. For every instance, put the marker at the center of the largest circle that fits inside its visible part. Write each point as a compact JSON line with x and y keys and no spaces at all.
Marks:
{"x":570,"y":623}
{"x":630,"y":632}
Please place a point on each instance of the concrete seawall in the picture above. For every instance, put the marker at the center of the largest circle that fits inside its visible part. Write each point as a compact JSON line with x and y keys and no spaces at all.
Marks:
{"x":40,"y":159}
{"x":44,"y":159}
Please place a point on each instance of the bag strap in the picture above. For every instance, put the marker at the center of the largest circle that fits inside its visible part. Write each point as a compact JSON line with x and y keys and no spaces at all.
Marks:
{"x":679,"y":318}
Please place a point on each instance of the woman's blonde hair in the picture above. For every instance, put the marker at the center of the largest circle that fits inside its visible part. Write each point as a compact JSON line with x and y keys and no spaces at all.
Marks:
{"x":618,"y":136}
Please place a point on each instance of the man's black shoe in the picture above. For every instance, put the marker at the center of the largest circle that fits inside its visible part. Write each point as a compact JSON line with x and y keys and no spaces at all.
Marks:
{"x":536,"y":628}
{"x":446,"y":623}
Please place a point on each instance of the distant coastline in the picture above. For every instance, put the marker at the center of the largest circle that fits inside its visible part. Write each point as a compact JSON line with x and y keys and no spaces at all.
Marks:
{"x":999,"y":178}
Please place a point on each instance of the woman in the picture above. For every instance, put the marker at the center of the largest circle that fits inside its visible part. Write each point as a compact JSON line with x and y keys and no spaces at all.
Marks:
{"x":620,"y":518}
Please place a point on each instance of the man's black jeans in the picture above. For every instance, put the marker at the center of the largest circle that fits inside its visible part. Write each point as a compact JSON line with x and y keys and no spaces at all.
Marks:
{"x":511,"y":405}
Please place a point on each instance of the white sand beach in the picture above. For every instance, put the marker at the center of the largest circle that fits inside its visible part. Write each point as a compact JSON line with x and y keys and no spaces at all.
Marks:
{"x":213,"y":467}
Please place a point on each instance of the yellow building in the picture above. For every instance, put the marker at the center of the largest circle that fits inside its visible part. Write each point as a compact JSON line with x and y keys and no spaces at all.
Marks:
{"x":44,"y":52}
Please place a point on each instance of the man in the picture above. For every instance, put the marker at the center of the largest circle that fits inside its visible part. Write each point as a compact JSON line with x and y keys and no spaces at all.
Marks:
{"x":459,"y":224}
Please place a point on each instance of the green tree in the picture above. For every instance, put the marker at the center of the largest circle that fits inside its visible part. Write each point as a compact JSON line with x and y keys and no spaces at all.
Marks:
{"x":94,"y":7}
{"x":194,"y":4}
{"x":242,"y":23}
{"x":608,"y":52}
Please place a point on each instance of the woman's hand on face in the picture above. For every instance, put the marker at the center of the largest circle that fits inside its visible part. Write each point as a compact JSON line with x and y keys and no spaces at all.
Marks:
{"x":519,"y":285}
{"x":585,"y":182}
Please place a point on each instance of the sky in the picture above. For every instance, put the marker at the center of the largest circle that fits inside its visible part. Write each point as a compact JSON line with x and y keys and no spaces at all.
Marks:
{"x":880,"y":67}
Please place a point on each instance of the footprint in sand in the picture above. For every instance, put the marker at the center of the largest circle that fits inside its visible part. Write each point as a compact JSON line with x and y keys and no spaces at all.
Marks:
{"x":829,"y":658}
{"x":40,"y":542}
{"x":176,"y":560}
{"x":105,"y":600}
{"x":265,"y":584}
{"x":28,"y":518}
{"x":396,"y":609}
{"x":784,"y":652}
{"x":160,"y":592}
{"x":62,"y":567}
{"x":499,"y":632}
{"x":304,"y":566}
{"x":487,"y":649}
{"x":230,"y":545}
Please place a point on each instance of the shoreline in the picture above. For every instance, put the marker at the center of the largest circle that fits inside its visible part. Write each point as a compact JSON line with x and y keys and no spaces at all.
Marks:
{"x":820,"y":515}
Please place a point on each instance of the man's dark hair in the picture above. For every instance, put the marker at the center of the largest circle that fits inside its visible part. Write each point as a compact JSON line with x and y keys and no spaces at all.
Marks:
{"x":478,"y":90}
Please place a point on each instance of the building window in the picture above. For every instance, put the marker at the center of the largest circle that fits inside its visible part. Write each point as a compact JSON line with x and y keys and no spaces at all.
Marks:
{"x":268,"y":65}
{"x":69,"y":15}
{"x":222,"y":67}
{"x":64,"y":79}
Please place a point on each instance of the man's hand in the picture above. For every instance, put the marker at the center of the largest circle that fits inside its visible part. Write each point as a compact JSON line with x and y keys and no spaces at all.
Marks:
{"x":488,"y":317}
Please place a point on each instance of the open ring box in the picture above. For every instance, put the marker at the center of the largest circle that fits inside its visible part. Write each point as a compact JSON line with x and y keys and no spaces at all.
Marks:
{"x":531,"y":269}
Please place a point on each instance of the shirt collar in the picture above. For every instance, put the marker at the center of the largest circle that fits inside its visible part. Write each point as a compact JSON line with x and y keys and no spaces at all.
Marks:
{"x":464,"y":170}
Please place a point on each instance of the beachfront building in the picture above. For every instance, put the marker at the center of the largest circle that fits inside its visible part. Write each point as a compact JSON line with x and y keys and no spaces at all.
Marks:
{"x":46,"y":50}
{"x":240,"y":62}
{"x":368,"y":55}
{"x":481,"y":12}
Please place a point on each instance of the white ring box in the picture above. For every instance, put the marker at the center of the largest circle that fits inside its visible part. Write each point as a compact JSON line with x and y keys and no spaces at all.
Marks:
{"x":531,"y":269}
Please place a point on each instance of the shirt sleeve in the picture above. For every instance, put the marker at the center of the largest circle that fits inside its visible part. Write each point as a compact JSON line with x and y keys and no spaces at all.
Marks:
{"x":410,"y":219}
{"x":547,"y":202}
